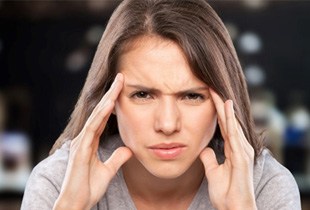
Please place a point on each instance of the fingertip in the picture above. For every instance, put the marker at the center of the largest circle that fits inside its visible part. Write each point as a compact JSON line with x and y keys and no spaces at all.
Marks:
{"x":117,"y":159}
{"x":229,"y":104}
{"x":206,"y":154}
{"x":119,"y":77}
{"x":215,"y":96}
{"x":208,"y":158}
{"x":125,"y":150}
{"x":212,"y":92}
{"x":123,"y":153}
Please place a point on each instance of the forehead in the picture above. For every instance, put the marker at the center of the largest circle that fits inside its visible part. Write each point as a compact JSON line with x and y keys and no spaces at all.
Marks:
{"x":142,"y":40}
{"x":156,"y":61}
{"x":147,"y":51}
{"x":149,"y":45}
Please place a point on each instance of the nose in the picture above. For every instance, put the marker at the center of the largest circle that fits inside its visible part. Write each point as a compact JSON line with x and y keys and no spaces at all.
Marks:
{"x":168,"y":117}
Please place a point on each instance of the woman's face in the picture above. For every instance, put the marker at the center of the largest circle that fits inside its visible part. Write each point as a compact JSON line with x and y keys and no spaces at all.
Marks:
{"x":165,"y":114}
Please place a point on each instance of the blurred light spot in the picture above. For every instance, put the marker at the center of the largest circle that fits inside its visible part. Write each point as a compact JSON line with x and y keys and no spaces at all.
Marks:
{"x":94,"y":34}
{"x":260,"y":113}
{"x":255,"y":75}
{"x":250,"y":43}
{"x":15,"y":161}
{"x":76,"y":61}
{"x":97,"y":5}
{"x":255,"y":4}
{"x":233,"y":30}
{"x":300,"y":119}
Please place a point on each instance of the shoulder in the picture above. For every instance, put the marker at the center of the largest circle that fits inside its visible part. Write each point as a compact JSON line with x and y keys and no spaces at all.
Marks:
{"x":45,"y":181}
{"x":54,"y":166}
{"x":275,"y":186}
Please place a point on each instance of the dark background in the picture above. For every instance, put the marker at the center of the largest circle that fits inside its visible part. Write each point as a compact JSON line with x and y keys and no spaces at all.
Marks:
{"x":46,"y":48}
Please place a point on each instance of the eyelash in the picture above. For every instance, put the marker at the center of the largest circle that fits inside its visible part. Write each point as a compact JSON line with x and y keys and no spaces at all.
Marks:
{"x":141,"y":95}
{"x":194,"y":96}
{"x":144,"y":95}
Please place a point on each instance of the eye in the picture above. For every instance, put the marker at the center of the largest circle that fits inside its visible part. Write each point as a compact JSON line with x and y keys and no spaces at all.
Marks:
{"x":141,"y":95}
{"x":194,"y":96}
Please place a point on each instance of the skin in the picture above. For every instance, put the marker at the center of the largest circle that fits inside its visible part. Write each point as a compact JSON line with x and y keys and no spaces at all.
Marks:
{"x":175,"y":107}
{"x":157,"y":99}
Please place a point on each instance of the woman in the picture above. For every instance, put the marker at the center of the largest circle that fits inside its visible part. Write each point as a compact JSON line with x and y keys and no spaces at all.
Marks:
{"x":173,"y":130}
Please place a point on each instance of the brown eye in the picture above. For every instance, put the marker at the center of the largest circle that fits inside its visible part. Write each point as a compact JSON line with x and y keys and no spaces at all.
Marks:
{"x":141,"y":94}
{"x":194,"y":96}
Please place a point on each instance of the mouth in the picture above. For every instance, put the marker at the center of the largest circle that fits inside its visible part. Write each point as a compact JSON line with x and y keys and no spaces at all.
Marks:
{"x":167,"y":151}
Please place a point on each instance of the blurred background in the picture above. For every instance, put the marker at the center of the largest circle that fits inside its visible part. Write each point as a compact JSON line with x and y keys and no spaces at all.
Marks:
{"x":46,"y":48}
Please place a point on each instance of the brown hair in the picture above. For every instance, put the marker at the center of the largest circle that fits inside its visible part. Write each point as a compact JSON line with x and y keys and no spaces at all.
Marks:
{"x":197,"y":29}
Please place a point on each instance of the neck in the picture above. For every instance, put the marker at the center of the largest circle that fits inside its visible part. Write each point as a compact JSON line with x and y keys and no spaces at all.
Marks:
{"x":145,"y":187}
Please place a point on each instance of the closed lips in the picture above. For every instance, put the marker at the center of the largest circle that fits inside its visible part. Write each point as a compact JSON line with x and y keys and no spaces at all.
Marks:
{"x":167,"y":146}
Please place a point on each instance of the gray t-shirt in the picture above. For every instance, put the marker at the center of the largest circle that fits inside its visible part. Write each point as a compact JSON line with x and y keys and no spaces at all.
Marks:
{"x":275,"y":188}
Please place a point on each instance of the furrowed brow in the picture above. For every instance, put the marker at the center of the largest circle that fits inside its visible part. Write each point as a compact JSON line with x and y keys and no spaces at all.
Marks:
{"x":149,"y":89}
{"x":141,"y":87}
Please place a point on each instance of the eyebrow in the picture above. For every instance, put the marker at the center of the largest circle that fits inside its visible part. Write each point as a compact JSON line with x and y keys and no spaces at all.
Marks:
{"x":141,"y":87}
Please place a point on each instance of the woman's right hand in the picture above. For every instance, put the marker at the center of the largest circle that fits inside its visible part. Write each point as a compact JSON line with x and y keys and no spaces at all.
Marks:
{"x":87,"y":177}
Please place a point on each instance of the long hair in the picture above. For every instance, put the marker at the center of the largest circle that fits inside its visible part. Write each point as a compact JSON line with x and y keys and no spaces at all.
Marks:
{"x":203,"y":37}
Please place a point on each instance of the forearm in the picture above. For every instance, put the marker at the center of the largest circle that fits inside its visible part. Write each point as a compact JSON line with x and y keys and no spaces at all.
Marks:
{"x":64,"y":204}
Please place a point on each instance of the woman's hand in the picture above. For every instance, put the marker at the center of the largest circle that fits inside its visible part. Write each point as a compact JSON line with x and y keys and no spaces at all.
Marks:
{"x":87,"y":177}
{"x":230,"y":184}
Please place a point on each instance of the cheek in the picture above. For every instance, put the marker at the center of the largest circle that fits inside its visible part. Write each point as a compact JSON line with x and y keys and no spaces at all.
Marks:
{"x":131,"y":122}
{"x":203,"y":123}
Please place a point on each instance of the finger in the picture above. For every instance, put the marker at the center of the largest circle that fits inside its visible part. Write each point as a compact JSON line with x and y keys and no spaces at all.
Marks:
{"x":233,"y":135}
{"x":115,"y":88}
{"x":117,"y":159}
{"x":103,"y":108}
{"x":96,"y":122}
{"x":208,"y":158}
{"x":89,"y":138}
{"x":111,"y":94}
{"x":220,"y":109}
{"x":219,"y":106}
{"x":245,"y":143}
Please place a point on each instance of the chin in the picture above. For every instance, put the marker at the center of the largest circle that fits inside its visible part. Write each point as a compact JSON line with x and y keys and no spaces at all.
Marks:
{"x":166,"y":174}
{"x":166,"y":170}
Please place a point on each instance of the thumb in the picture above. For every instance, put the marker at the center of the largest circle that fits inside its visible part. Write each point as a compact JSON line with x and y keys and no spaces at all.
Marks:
{"x":117,"y":159}
{"x":208,"y":158}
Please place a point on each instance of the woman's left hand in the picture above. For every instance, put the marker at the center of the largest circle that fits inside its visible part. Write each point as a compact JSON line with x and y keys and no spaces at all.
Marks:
{"x":230,"y":184}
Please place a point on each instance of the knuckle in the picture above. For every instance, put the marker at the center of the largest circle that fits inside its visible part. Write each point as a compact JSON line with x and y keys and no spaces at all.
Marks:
{"x":231,"y":135}
{"x":102,"y":113}
{"x":91,"y":131}
{"x":89,"y":128}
